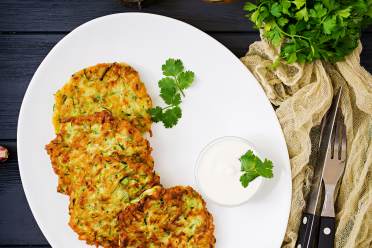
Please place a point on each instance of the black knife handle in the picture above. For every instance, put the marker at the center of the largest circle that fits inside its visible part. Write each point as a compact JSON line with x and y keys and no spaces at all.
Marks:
{"x":308,"y":233}
{"x":326,"y":232}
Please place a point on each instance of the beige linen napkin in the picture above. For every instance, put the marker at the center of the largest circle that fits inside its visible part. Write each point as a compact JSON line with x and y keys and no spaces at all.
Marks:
{"x":303,"y":94}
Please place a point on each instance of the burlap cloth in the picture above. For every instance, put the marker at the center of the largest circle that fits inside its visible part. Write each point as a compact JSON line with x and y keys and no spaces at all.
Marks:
{"x":303,"y":94}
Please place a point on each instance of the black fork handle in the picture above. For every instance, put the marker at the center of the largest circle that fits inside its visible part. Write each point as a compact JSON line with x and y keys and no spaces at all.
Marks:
{"x":327,"y":232}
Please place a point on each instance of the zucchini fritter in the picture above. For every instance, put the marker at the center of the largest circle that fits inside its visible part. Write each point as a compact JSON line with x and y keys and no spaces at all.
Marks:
{"x":103,"y":164}
{"x":114,"y":87}
{"x":107,"y":188}
{"x":168,"y":218}
{"x":82,"y":138}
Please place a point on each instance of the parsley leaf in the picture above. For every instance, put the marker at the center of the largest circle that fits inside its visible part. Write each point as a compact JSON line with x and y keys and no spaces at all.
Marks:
{"x":302,"y":14}
{"x":171,"y":88}
{"x":248,"y":177}
{"x":274,"y":35}
{"x":329,"y":25}
{"x":250,"y":6}
{"x":265,"y":169}
{"x":286,"y":4}
{"x":253,"y":167}
{"x":299,"y":3}
{"x":172,"y":67}
{"x":170,"y":96}
{"x":276,"y":10}
{"x":282,"y":21}
{"x":185,"y":79}
{"x":344,"y":13}
{"x":318,"y":12}
{"x":248,"y":161}
{"x":305,"y":31}
{"x":156,"y":114}
{"x":167,"y":82}
{"x":170,"y":116}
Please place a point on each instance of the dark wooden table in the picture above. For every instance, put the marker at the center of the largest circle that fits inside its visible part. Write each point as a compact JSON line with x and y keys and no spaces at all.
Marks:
{"x":29,"y":29}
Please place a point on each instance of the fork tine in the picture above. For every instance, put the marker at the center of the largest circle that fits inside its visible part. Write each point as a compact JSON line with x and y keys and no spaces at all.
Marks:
{"x":340,"y":140}
{"x":337,"y":141}
{"x":332,"y":148}
{"x":344,"y":144}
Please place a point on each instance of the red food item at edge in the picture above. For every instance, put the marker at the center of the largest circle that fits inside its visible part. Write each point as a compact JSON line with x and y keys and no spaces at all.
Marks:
{"x":4,"y":154}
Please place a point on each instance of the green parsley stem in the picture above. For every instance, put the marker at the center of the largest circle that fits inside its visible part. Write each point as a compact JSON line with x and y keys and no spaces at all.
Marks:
{"x":297,"y":36}
{"x":178,"y":86}
{"x":167,"y":107}
{"x":183,"y":94}
{"x":293,"y":35}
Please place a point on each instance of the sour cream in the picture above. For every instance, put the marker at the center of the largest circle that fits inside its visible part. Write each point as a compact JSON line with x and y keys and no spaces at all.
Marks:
{"x":218,"y":172}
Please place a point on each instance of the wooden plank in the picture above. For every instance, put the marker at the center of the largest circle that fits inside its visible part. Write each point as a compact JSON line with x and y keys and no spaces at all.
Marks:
{"x":25,"y":246}
{"x":17,"y":225}
{"x":20,"y":56}
{"x":65,"y":15}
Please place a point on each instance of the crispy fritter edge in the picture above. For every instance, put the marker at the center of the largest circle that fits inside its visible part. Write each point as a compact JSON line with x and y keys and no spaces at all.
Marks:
{"x":174,"y":192}
{"x":138,"y":87}
{"x":112,"y":244}
{"x":100,"y":117}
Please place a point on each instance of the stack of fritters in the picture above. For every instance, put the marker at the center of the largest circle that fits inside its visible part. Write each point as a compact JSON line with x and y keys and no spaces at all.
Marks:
{"x":104,"y":165}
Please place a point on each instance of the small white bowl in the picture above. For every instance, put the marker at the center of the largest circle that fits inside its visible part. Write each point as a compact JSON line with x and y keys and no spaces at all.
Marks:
{"x":217,"y":171}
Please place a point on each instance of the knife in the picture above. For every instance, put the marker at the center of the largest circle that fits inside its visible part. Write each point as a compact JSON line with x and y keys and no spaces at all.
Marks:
{"x":308,"y":232}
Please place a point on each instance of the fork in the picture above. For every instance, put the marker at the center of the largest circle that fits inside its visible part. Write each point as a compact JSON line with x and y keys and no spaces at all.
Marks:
{"x":334,"y":168}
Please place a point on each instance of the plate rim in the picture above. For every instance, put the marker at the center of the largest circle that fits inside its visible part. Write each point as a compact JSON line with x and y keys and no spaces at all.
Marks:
{"x":68,"y":36}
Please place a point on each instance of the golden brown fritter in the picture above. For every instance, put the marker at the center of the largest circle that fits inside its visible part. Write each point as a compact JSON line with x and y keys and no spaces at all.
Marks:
{"x":169,"y":218}
{"x":82,"y":138}
{"x":110,"y":186}
{"x":103,"y":164}
{"x":114,"y":87}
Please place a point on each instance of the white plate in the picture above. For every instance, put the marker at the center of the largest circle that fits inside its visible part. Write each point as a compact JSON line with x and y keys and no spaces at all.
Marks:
{"x":225,"y":100}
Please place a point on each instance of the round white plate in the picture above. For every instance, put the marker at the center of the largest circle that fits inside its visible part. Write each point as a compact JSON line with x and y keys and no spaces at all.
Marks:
{"x":225,"y":100}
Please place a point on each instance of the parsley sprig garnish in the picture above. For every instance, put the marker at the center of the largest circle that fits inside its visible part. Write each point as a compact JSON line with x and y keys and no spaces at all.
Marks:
{"x":310,"y":30}
{"x":172,"y":87}
{"x":253,"y":167}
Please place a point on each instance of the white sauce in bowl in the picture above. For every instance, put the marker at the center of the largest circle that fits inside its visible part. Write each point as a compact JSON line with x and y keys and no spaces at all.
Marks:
{"x":218,"y":171}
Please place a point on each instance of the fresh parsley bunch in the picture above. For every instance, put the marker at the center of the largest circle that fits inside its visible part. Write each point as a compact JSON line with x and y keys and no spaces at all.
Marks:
{"x":172,"y":86}
{"x":253,"y":167}
{"x":313,"y":29}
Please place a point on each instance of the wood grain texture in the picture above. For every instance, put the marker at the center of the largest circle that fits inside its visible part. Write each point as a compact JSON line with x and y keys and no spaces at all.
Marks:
{"x":65,"y":15}
{"x":19,"y":58}
{"x":17,"y":225}
{"x":25,"y":246}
